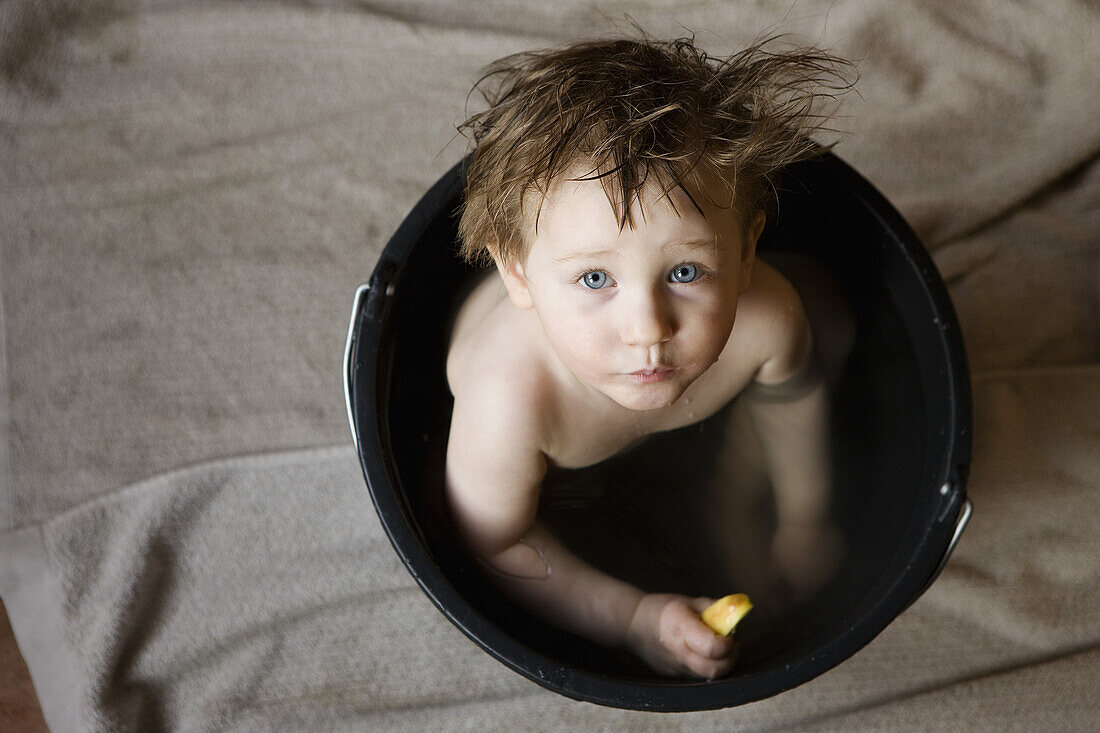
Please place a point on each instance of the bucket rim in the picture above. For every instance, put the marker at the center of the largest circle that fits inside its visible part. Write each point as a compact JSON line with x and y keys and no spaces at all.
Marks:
{"x":929,"y":542}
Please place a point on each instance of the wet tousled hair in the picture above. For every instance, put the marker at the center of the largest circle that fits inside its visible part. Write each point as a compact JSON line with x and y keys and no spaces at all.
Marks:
{"x":625,"y":110}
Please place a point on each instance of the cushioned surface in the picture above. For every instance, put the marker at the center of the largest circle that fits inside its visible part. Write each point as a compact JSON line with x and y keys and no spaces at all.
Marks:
{"x":191,"y":191}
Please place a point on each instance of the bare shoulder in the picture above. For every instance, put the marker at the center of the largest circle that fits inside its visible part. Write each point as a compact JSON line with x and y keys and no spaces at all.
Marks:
{"x":771,"y":328}
{"x":472,"y":319}
{"x":495,"y":458}
{"x":493,"y":359}
{"x":498,"y":402}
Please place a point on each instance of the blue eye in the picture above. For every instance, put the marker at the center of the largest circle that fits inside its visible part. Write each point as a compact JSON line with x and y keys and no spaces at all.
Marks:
{"x":595,"y":279}
{"x":684,"y":273}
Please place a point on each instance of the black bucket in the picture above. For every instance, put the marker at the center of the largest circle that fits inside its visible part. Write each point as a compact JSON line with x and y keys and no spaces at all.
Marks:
{"x":901,"y":414}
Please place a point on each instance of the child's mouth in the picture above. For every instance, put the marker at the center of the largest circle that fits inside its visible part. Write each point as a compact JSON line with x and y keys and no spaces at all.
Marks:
{"x":651,"y":376}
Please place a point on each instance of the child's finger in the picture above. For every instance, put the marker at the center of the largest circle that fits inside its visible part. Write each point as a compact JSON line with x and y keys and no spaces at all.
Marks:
{"x":708,"y":668}
{"x":696,"y":635}
{"x":704,"y":642}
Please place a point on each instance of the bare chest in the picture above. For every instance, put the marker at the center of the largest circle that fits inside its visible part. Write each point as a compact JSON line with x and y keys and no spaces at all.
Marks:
{"x":585,"y":437}
{"x":581,"y":443}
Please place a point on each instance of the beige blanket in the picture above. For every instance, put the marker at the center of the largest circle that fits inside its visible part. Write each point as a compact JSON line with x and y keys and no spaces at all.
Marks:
{"x":189,"y":194}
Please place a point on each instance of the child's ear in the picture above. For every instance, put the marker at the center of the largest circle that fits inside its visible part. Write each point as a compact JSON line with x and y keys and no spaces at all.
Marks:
{"x":748,"y":251}
{"x":515,"y":281}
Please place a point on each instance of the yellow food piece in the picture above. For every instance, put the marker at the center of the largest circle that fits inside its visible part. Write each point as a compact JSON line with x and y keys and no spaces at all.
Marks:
{"x":722,"y":615}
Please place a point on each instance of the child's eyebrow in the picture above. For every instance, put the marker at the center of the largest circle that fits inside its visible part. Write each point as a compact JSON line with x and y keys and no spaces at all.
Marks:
{"x":707,"y":245}
{"x":710,"y":245}
{"x":583,"y":254}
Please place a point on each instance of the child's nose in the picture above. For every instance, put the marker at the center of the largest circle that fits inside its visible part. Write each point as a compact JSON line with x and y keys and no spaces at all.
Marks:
{"x":647,"y":322}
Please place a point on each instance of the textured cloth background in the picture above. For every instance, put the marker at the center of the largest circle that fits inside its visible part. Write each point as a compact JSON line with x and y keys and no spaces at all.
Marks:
{"x":191,"y":191}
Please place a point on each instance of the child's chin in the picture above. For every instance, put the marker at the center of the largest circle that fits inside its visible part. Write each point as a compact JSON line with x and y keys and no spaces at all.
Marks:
{"x":648,"y":398}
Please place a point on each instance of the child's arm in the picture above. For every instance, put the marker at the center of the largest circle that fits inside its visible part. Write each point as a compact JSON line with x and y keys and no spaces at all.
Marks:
{"x":788,"y":404}
{"x":494,"y":472}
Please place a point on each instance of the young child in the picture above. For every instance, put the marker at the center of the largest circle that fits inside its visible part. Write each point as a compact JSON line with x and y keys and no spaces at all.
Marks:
{"x":619,"y":188}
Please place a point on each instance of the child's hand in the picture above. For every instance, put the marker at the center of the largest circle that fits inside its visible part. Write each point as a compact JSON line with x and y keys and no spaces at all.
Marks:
{"x":807,"y":556}
{"x":667,"y":632}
